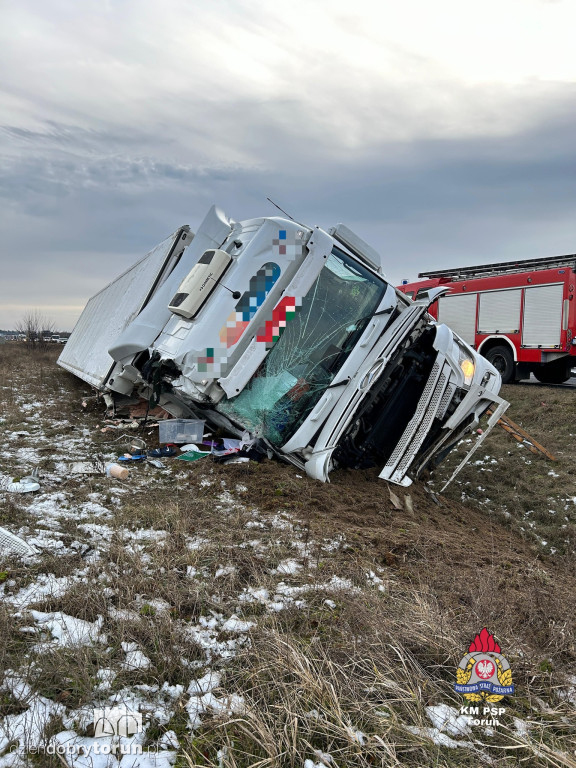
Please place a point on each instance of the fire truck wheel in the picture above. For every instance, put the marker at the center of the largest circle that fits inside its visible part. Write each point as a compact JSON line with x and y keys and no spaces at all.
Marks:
{"x":554,"y":373}
{"x":501,"y":358}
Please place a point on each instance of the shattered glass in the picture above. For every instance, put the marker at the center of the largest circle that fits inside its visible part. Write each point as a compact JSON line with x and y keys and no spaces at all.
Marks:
{"x":311,"y":350}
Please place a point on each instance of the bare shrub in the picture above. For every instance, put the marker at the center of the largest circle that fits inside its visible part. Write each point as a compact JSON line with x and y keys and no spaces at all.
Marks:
{"x":36,"y":327}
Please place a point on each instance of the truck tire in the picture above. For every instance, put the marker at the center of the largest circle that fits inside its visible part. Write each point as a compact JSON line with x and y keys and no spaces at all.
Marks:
{"x":554,"y":373}
{"x":502,"y":359}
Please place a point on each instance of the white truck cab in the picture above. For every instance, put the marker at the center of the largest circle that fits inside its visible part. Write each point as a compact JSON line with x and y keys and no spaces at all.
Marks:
{"x":292,"y":334}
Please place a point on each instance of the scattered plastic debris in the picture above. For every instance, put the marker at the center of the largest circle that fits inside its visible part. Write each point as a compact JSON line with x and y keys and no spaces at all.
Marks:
{"x":115,"y":470}
{"x":87,"y":467}
{"x":181,"y":430}
{"x":396,"y":503}
{"x":9,"y":542}
{"x":132,"y":457}
{"x":193,"y":455}
{"x":24,"y":485}
{"x":164,"y":452}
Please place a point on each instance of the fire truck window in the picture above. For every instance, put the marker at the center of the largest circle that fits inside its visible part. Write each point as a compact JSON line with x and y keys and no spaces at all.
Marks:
{"x":410,"y":294}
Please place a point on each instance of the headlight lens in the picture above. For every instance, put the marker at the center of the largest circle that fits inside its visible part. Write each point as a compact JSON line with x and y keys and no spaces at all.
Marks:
{"x":467,"y":365}
{"x":468,"y":368}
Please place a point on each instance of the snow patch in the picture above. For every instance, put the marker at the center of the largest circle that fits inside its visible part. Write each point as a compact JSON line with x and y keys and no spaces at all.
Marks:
{"x":447,"y":719}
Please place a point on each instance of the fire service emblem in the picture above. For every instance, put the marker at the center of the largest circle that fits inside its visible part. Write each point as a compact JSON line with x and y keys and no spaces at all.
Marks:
{"x":484,"y":674}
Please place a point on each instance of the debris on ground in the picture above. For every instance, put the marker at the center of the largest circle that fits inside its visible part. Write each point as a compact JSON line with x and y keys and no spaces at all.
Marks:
{"x":193,"y":455}
{"x":522,"y":436}
{"x":164,"y":451}
{"x":10,"y":543}
{"x":94,"y":467}
{"x":27,"y":484}
{"x":115,"y":470}
{"x":396,"y":503}
{"x":23,"y":485}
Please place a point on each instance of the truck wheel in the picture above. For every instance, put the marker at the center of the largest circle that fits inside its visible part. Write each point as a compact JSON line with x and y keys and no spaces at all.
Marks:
{"x":501,"y":358}
{"x":553,"y":373}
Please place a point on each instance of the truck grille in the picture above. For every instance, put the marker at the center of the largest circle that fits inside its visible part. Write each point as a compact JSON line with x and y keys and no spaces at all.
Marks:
{"x":445,"y":402}
{"x":432,"y":401}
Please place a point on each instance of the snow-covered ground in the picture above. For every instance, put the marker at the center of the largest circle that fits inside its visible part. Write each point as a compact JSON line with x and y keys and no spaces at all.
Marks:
{"x":76,"y":520}
{"x":144,"y":593}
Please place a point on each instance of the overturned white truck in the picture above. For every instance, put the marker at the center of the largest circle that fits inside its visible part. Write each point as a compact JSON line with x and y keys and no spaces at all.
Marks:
{"x":292,"y":334}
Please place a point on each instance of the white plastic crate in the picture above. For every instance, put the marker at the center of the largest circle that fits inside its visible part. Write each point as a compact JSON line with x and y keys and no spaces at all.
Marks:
{"x":181,"y":431}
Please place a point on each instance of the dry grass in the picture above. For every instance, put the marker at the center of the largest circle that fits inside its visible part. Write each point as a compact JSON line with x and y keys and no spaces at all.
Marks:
{"x":354,"y":683}
{"x":535,"y":495}
{"x":374,"y":606}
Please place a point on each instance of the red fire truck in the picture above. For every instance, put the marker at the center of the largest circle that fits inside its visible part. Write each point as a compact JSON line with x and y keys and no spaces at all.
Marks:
{"x":520,"y":315}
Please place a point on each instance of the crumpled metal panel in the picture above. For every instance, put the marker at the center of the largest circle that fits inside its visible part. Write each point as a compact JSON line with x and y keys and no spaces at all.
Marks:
{"x":108,"y":313}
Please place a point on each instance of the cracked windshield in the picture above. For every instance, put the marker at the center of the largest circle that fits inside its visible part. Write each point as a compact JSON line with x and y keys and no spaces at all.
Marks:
{"x":312,"y":349}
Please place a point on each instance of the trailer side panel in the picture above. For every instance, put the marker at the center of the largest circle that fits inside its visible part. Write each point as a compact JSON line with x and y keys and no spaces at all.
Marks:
{"x":109,"y":312}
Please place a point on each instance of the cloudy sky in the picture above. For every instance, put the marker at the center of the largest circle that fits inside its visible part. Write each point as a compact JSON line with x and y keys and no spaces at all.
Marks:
{"x":442,"y":132}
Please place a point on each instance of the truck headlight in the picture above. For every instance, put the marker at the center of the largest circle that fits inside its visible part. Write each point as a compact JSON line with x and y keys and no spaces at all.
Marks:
{"x":468,"y":369}
{"x":467,"y":364}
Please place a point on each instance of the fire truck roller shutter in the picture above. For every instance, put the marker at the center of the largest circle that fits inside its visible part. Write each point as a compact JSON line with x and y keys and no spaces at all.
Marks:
{"x":499,"y":311}
{"x":459,"y":313}
{"x":542,"y":316}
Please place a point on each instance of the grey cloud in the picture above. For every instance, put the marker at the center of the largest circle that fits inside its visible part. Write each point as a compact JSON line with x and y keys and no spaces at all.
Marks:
{"x":445,"y":203}
{"x":85,"y":195}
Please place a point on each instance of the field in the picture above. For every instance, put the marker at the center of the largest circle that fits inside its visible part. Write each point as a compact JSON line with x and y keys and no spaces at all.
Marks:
{"x":258,"y":618}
